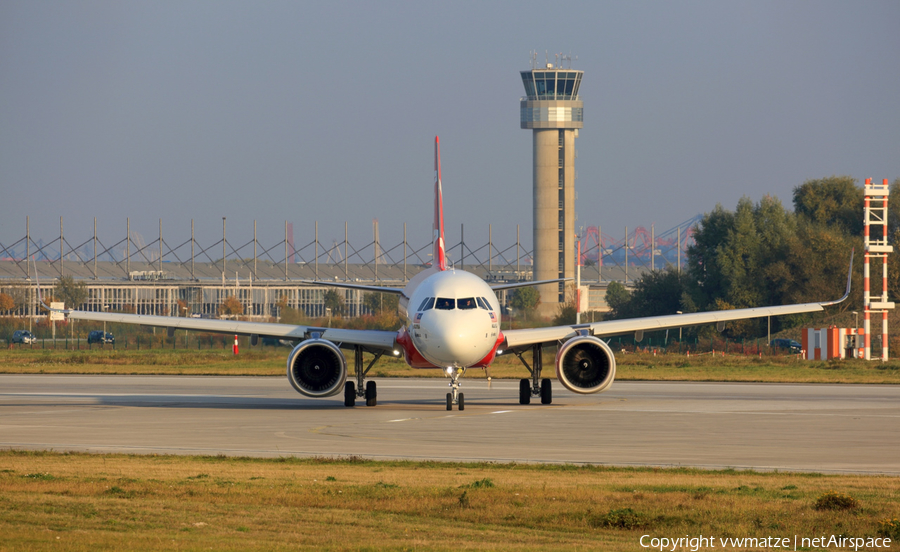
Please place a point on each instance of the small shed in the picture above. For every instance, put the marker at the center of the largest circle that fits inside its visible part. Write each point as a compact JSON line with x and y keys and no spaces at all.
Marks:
{"x":832,"y":342}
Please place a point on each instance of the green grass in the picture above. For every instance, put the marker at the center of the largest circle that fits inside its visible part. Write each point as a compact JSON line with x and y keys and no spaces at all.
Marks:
{"x":270,"y":361}
{"x":96,"y":502}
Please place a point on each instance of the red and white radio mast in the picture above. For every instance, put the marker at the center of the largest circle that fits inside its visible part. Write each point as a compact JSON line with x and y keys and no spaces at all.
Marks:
{"x":876,"y":214}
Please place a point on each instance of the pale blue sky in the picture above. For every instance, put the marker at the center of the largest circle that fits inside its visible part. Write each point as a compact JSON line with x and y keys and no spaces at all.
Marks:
{"x":305,"y":111}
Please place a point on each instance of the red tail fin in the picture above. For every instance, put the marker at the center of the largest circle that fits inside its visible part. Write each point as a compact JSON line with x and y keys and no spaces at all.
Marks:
{"x":439,"y":256}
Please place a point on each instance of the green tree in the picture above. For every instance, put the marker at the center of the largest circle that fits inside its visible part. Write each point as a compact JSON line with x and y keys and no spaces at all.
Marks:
{"x":832,"y":201}
{"x":524,"y":300}
{"x":702,"y":256}
{"x":741,"y":257}
{"x":658,"y":293}
{"x":335,"y":302}
{"x":617,"y":298}
{"x":70,"y":292}
{"x":777,"y":228}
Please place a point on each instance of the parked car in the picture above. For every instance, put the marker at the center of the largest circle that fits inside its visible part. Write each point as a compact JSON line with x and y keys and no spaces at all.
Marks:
{"x":98,"y":336}
{"x":23,"y":336}
{"x":790,"y":344}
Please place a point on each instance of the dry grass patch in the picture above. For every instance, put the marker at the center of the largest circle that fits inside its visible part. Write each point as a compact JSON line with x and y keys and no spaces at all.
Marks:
{"x":80,"y":501}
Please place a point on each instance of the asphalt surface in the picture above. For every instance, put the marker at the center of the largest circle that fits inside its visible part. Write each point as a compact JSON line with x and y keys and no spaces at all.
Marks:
{"x":824,"y":428}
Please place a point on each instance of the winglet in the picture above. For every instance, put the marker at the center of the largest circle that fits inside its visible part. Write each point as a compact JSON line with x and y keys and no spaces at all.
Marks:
{"x":849,"y":277}
{"x":439,"y":258}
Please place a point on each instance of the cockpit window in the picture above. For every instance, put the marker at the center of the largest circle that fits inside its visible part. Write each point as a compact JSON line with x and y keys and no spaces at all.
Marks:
{"x":482,"y":302}
{"x":427,"y":304}
{"x":445,"y":304}
{"x":467,"y":303}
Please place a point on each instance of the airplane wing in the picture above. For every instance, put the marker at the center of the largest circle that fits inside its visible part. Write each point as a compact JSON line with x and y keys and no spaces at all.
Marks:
{"x":526,"y":337}
{"x":371,"y":339}
{"x":519,"y":339}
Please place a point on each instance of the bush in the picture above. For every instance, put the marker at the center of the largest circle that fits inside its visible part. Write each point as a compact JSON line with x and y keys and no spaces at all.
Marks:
{"x":480,"y":484}
{"x":834,"y":501}
{"x":889,"y":528}
{"x":621,"y":518}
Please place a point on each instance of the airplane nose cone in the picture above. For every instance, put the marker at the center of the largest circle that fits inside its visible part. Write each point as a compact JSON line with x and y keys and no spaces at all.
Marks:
{"x":458,"y":338}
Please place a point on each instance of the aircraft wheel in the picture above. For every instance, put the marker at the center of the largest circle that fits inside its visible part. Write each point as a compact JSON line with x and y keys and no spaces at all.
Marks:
{"x":449,"y":401}
{"x":349,"y":394}
{"x":546,"y":392}
{"x":462,"y":403}
{"x":371,"y":394}
{"x":524,"y":391}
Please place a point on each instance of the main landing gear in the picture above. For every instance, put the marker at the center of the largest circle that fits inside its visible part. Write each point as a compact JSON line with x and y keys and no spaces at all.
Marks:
{"x":362,"y":388}
{"x":537,"y":386}
{"x":455,"y":397}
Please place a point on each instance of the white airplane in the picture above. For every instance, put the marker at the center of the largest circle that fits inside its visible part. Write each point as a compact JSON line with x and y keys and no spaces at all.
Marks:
{"x":451,"y":322}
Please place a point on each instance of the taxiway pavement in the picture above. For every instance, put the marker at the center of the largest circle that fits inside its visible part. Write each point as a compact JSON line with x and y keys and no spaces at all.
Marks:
{"x":825,"y":428}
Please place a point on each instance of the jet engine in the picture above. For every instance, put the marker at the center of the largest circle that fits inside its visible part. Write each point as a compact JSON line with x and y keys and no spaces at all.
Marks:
{"x":317,"y":368}
{"x":585,"y":364}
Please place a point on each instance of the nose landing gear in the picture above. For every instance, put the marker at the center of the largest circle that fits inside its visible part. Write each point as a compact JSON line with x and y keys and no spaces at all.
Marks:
{"x":455,"y":397}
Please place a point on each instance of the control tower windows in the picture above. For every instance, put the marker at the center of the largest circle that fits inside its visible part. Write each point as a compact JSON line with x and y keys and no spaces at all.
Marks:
{"x":552,"y":84}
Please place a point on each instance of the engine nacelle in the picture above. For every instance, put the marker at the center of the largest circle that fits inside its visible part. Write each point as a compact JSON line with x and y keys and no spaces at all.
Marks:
{"x":317,"y":368}
{"x":585,"y":364}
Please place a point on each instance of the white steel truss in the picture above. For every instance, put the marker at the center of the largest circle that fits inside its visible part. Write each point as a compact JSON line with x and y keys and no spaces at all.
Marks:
{"x":876,"y":214}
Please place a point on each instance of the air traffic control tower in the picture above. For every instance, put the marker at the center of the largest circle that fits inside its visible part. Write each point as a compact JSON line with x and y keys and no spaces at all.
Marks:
{"x":553,"y":111}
